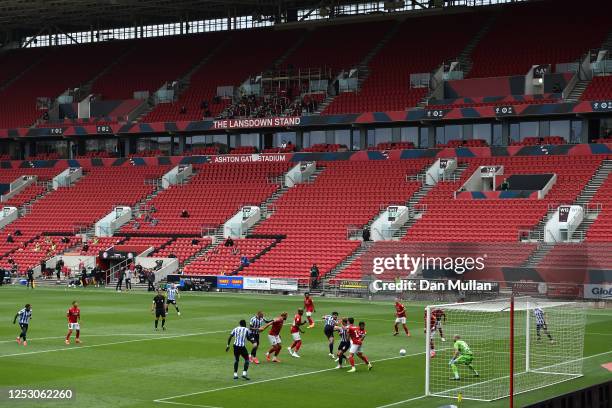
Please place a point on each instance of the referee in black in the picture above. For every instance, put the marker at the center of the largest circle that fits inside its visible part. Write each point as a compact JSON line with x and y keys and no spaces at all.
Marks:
{"x":240,"y":334}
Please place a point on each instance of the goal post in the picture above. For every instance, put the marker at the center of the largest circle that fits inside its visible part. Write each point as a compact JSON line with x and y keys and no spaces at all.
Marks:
{"x":541,"y":341}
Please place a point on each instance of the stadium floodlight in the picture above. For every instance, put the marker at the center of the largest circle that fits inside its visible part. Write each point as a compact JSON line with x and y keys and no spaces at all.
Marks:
{"x":512,"y":346}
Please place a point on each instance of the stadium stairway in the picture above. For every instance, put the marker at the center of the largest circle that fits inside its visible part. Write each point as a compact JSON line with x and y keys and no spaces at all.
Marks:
{"x":199,"y":253}
{"x":85,"y":89}
{"x":346,"y":262}
{"x":607,"y":44}
{"x":185,"y":81}
{"x":267,"y":207}
{"x":537,"y":255}
{"x":583,"y":199}
{"x":417,"y":210}
{"x":363,"y":66}
{"x":142,"y":205}
{"x":586,"y":196}
{"x":578,"y":90}
{"x":464,"y":58}
{"x":17,"y":77}
{"x":297,"y":44}
{"x":26,"y":207}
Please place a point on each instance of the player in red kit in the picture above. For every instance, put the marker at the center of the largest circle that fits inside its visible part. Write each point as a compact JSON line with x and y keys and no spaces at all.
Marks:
{"x":432,"y":331}
{"x":74,"y":317}
{"x":274,"y":336}
{"x":440,"y":317}
{"x":357,"y":334}
{"x":295,"y":333}
{"x":310,"y":309}
{"x":400,"y":318}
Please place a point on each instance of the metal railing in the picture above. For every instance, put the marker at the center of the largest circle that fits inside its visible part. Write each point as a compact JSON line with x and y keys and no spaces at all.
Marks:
{"x":209,"y":230}
{"x":153,"y":182}
{"x":353,"y":231}
{"x":420,"y":208}
{"x":592,"y":208}
{"x":526,"y":234}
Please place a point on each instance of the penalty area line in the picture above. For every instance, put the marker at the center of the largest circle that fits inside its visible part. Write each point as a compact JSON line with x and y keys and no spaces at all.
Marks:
{"x":229,"y":387}
{"x":184,"y":404}
{"x":66,"y":348}
{"x":88,"y":336}
{"x":402,"y":402}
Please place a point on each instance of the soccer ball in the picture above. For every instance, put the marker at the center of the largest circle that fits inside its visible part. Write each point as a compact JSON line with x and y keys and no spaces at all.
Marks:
{"x":402,"y":352}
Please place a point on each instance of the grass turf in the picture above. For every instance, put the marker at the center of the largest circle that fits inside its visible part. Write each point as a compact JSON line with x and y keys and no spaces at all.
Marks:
{"x":122,"y":362}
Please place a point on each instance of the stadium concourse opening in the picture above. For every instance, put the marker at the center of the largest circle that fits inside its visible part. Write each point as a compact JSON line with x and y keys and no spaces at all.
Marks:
{"x":267,"y":203}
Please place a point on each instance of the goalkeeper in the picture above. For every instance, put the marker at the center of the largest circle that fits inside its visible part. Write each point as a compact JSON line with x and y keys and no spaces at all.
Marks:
{"x":462,"y":355}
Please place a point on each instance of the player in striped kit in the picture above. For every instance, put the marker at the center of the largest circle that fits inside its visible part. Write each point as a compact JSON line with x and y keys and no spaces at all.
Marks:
{"x":541,"y":324}
{"x":345,"y":342}
{"x":24,"y":316}
{"x":330,"y":324}
{"x":241,"y":335}
{"x":172,"y":294}
{"x":255,"y":324}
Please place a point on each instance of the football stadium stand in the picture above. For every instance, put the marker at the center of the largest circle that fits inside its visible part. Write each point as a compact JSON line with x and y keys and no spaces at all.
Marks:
{"x":513,"y":29}
{"x":133,"y":137}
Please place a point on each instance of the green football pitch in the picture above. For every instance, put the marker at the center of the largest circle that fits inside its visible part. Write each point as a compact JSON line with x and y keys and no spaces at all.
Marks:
{"x":122,"y":362}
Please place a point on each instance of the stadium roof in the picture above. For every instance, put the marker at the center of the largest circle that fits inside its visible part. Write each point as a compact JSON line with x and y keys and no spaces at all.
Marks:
{"x":83,"y":14}
{"x":22,"y":18}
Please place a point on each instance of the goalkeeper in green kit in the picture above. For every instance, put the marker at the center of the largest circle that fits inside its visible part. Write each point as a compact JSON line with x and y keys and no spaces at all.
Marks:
{"x":462,"y":355}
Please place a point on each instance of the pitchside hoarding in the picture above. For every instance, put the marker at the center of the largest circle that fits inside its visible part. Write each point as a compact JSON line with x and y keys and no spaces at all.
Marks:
{"x":230,"y":282}
{"x":601,"y":292}
{"x":252,"y":283}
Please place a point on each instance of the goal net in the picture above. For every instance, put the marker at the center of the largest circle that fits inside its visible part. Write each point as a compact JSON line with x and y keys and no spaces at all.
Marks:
{"x":548,"y":346}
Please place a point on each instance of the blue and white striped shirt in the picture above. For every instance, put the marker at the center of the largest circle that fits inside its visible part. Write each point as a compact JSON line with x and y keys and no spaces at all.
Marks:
{"x":539,"y":316}
{"x":240,"y":334}
{"x":172,"y":292}
{"x":330,"y":320}
{"x":256,"y":322}
{"x":344,"y":336}
{"x":24,"y":316}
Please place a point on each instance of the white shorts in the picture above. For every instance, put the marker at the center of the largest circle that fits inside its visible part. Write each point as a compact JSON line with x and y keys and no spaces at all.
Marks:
{"x":401,"y":320}
{"x":296,"y":336}
{"x":74,"y":326}
{"x":355,"y":348}
{"x":308,"y":314}
{"x":274,"y":340}
{"x":438,"y":325}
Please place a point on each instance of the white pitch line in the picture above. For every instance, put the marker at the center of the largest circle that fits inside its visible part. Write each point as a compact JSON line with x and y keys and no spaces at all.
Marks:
{"x":402,"y":402}
{"x":423,"y":396}
{"x":111,"y":344}
{"x":186,"y":404}
{"x":87,"y":336}
{"x":162,"y":400}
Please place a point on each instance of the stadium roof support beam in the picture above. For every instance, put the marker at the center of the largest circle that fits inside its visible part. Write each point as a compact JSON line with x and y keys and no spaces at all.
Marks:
{"x":33,"y":38}
{"x":418,"y":3}
{"x":60,"y":31}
